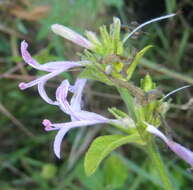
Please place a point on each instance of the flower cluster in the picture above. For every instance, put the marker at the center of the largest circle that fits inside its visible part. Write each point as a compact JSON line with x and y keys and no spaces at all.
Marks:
{"x":78,"y":116}
{"x":109,"y":44}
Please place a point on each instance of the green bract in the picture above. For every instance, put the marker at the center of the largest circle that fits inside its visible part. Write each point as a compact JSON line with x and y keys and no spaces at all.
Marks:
{"x":109,"y":58}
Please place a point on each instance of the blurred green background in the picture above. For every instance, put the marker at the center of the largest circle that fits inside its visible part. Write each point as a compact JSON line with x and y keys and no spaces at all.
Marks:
{"x":26,"y":156}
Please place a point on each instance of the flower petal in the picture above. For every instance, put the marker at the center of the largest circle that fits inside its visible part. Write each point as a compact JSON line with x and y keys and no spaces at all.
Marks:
{"x":85,"y":115}
{"x":44,"y":78}
{"x":76,"y":99}
{"x":64,"y":65}
{"x":27,"y":57}
{"x":43,"y":94}
{"x":50,"y":66}
{"x":181,"y":151}
{"x":69,"y":34}
{"x":61,"y":97}
{"x":58,"y":140}
{"x":64,"y":128}
{"x":75,"y":124}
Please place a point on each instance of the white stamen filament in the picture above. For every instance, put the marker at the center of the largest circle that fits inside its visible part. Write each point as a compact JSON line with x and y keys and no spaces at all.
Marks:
{"x":174,"y":91}
{"x":146,"y":23}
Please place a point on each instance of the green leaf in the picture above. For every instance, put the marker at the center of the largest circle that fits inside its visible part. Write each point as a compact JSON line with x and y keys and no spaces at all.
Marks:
{"x":136,"y":60}
{"x":115,"y":171}
{"x":91,"y":72}
{"x":128,"y":100}
{"x":102,"y":146}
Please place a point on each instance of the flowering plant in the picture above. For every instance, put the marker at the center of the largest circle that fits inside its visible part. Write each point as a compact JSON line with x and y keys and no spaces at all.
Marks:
{"x":107,"y":60}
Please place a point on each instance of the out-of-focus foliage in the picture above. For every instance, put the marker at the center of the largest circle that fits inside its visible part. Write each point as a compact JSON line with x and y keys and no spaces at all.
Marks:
{"x":26,"y":157}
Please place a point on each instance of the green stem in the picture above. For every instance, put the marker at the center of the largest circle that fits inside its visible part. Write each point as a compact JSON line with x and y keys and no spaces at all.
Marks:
{"x":160,"y":166}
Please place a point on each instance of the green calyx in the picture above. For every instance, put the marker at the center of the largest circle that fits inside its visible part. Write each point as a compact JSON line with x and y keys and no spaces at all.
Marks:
{"x":109,"y":58}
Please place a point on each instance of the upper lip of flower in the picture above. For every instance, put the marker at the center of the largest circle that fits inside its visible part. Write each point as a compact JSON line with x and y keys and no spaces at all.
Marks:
{"x":54,"y":69}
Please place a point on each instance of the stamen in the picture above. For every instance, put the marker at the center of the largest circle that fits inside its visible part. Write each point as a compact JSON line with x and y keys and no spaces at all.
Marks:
{"x":174,"y":91}
{"x":146,"y":23}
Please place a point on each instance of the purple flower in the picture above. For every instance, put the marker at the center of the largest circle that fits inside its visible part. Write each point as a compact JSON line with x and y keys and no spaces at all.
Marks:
{"x":182,"y":152}
{"x":54,"y":69}
{"x":63,"y":128}
{"x":69,"y":34}
{"x":80,"y":118}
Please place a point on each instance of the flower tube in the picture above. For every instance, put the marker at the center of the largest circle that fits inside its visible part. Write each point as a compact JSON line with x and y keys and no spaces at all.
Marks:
{"x":182,"y":152}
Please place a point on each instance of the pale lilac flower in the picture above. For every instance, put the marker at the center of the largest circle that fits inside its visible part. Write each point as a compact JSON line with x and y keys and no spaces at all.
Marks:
{"x":182,"y":152}
{"x":69,"y":34}
{"x":80,"y":118}
{"x":63,"y":128}
{"x":54,"y":69}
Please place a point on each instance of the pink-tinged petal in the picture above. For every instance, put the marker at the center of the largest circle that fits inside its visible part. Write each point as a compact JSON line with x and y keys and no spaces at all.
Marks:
{"x":85,"y":115}
{"x":44,"y":78}
{"x":64,"y":65}
{"x":61,"y":97}
{"x":75,"y":124}
{"x":69,"y":34}
{"x":27,"y":57}
{"x":76,"y":99}
{"x":64,"y":128}
{"x":181,"y":151}
{"x":62,"y":90}
{"x":43,"y":94}
{"x":58,"y":141}
{"x":50,"y":66}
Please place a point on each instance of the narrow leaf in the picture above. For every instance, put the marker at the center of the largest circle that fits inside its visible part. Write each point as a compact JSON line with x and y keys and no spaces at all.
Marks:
{"x":93,"y":73}
{"x":128,"y":100}
{"x":136,"y":60}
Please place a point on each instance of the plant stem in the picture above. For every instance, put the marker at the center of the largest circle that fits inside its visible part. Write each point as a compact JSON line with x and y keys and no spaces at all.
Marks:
{"x":160,"y":166}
